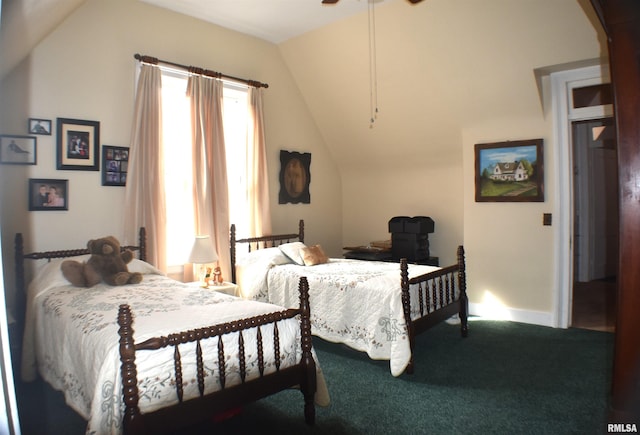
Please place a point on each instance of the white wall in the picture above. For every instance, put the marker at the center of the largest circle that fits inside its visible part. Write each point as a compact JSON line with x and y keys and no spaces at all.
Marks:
{"x":85,"y":70}
{"x":451,"y":74}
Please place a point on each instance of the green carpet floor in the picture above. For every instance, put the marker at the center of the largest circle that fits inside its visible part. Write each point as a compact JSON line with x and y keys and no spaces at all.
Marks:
{"x":505,"y":378}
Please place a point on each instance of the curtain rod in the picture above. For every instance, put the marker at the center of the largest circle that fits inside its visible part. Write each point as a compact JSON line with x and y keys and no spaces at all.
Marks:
{"x":197,"y":70}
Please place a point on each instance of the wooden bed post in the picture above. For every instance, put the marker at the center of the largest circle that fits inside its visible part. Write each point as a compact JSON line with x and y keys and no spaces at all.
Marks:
{"x":406,"y":307}
{"x":128,"y":371}
{"x":258,"y":241}
{"x":21,"y":295}
{"x":301,"y":230}
{"x":232,"y":252}
{"x":464,"y":300}
{"x":142,"y":243}
{"x":309,"y":383}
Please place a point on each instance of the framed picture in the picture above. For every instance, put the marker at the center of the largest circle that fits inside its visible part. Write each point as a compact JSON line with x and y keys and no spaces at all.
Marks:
{"x":18,"y":150}
{"x":48,"y":194}
{"x":294,"y":177}
{"x":39,"y":126}
{"x":115,"y":165}
{"x":78,"y":144}
{"x":509,"y":171}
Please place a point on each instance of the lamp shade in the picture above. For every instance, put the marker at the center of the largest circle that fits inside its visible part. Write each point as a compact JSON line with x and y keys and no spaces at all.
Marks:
{"x":203,"y":251}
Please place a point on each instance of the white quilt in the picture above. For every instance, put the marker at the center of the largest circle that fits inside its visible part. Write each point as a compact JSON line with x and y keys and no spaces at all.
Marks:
{"x":71,"y":338}
{"x":354,"y":302}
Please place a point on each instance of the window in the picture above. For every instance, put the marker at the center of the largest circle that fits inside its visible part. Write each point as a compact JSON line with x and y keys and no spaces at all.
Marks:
{"x":235,"y":119}
{"x":594,"y":95}
{"x":178,"y":157}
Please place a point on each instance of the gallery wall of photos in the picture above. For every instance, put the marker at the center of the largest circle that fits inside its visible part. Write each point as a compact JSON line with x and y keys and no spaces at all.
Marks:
{"x":77,"y":149}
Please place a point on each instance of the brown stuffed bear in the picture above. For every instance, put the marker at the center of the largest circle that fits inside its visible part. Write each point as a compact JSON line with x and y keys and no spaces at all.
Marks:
{"x":80,"y":274}
{"x":105,"y":264}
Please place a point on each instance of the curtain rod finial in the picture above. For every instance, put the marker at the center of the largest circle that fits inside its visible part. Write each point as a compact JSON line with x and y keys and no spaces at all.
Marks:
{"x":145,"y":58}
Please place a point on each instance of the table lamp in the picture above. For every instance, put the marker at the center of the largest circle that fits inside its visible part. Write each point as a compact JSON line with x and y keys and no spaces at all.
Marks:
{"x":202,"y":253}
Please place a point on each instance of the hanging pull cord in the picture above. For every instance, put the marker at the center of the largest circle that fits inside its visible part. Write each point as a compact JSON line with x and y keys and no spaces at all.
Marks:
{"x":373,"y":66}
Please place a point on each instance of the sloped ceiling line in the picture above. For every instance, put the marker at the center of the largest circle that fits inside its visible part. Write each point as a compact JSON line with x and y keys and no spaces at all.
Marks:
{"x":18,"y":33}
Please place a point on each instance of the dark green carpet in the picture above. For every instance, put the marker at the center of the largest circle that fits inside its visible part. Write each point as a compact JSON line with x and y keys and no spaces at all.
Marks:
{"x":505,"y":378}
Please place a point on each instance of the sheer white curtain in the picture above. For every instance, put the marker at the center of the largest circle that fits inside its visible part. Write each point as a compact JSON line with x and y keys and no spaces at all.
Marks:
{"x":257,"y":176}
{"x":144,"y":194}
{"x":211,"y":198}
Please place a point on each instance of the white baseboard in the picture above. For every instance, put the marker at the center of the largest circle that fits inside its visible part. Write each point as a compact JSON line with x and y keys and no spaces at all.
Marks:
{"x":514,"y":314}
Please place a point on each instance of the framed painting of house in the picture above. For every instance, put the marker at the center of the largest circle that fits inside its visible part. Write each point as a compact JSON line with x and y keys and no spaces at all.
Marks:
{"x":509,"y":171}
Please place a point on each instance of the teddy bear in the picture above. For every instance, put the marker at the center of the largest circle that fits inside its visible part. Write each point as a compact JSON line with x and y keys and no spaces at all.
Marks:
{"x":106,"y":264}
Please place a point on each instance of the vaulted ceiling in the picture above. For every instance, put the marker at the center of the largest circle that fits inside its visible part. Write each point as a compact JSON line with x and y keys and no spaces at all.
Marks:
{"x":26,"y":23}
{"x":19,"y":32}
{"x":465,"y":54}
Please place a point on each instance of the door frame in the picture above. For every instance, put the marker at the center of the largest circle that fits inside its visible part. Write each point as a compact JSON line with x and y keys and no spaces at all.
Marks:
{"x":562,"y":83}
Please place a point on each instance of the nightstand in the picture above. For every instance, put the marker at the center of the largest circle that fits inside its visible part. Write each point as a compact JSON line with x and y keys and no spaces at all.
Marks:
{"x":228,"y":288}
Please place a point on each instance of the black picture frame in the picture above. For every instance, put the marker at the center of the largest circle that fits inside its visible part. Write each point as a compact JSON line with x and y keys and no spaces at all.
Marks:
{"x":39,"y":126}
{"x":42,"y":191}
{"x":115,"y":165}
{"x":511,"y":171}
{"x":295,"y":177}
{"x":78,"y":145}
{"x":18,"y":150}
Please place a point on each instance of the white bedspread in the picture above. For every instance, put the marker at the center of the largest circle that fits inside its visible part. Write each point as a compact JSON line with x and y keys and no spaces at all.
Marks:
{"x":354,"y":302}
{"x":71,"y":339}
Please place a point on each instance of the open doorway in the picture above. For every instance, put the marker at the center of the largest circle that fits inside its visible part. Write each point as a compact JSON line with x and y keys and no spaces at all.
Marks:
{"x":580,"y":94}
{"x":595,"y":226}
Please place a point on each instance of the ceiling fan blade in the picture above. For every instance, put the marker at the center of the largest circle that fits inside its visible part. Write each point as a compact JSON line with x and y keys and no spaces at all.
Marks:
{"x":332,"y":2}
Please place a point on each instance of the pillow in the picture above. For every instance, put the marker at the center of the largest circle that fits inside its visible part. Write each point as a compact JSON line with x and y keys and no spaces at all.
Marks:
{"x":49,"y":275}
{"x":51,"y":272}
{"x":51,"y":269}
{"x":313,"y":255}
{"x":272,"y":256}
{"x":252,"y":269}
{"x":136,"y":265}
{"x":293,"y":250}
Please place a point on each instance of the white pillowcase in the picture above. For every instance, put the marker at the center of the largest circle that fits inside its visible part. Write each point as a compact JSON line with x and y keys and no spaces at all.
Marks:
{"x":293,"y":250}
{"x":136,"y":265}
{"x":272,"y":256}
{"x":252,"y":269}
{"x":52,"y":273}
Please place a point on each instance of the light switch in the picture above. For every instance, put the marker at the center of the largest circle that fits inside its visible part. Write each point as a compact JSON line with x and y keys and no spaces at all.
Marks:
{"x":546,"y":219}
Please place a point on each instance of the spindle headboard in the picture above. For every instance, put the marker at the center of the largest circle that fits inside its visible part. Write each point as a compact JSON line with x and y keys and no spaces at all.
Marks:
{"x":261,"y":242}
{"x":20,"y":256}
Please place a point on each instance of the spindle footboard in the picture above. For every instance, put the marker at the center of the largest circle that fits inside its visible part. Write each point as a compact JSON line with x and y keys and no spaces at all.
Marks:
{"x":371,"y":318}
{"x":206,"y":405}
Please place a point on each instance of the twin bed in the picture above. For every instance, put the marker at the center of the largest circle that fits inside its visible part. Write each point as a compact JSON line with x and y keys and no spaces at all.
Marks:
{"x":374,"y":307}
{"x":180,"y":366}
{"x":195,"y":352}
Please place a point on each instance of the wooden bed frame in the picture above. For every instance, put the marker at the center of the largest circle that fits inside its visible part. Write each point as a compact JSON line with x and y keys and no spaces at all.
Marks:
{"x":192,"y":411}
{"x":261,"y":242}
{"x":441,"y":283}
{"x":20,"y":256}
